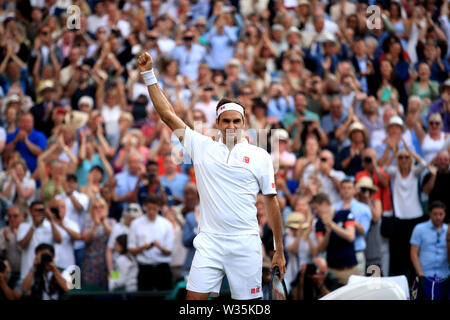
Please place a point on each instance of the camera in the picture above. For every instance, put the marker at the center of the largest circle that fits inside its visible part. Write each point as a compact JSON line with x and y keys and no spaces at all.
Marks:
{"x":55,"y":212}
{"x":367,"y":160}
{"x":311,"y":269}
{"x":2,"y":266}
{"x":151,"y":176}
{"x":46,"y":258}
{"x":307,"y":122}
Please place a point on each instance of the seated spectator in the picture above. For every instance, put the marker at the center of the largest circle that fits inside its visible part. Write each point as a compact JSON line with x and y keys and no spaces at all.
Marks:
{"x":428,"y":244}
{"x":149,"y":183}
{"x":127,"y":267}
{"x":280,"y":103}
{"x":9,"y":247}
{"x":437,"y":181}
{"x":132,"y":212}
{"x":173,"y":181}
{"x":42,"y":227}
{"x":133,"y":141}
{"x":96,"y":231}
{"x":349,"y":158}
{"x":309,"y":163}
{"x":6,"y":291}
{"x":28,"y":141}
{"x":151,"y":240}
{"x":335,"y":232}
{"x":127,"y":179}
{"x":44,"y":280}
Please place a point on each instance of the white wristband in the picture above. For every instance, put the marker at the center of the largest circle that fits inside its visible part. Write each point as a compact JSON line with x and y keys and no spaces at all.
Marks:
{"x":149,"y":77}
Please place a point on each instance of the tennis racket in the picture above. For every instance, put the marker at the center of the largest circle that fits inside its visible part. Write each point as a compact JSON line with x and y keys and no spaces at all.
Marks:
{"x":278,"y":287}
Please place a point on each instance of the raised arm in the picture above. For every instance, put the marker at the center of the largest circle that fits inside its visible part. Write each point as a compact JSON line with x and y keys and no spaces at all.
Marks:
{"x":159,"y":100}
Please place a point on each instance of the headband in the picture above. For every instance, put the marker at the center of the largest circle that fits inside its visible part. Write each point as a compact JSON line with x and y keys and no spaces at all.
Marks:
{"x":230,"y":106}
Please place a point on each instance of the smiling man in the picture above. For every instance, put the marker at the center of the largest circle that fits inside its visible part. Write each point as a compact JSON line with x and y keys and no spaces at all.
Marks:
{"x":230,"y":173}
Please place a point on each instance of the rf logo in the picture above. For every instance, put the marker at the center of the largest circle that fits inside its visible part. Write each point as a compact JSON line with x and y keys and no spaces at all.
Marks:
{"x":246,"y":159}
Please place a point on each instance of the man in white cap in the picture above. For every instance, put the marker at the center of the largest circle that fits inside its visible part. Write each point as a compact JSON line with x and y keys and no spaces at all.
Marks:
{"x":230,"y":173}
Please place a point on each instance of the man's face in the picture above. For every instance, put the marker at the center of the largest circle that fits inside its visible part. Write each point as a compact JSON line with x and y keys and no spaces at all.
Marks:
{"x":152,"y":210}
{"x":394,"y":131}
{"x":437,"y":216}
{"x":14,"y":217}
{"x":37,"y":213}
{"x":300,"y":103}
{"x":326,"y":161}
{"x":370,"y":153}
{"x":347,"y":190}
{"x":443,"y":161}
{"x":231,"y":123}
{"x":27,"y":122}
{"x":133,"y":164}
{"x":336,"y":107}
{"x":169,"y":165}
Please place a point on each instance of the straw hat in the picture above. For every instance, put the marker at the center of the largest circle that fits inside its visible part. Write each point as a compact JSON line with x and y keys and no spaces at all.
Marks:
{"x":366,"y":182}
{"x":357,"y":126}
{"x":297,"y":221}
{"x":76,"y":118}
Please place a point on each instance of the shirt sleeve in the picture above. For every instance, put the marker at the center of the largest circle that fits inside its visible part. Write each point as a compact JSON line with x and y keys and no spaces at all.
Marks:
{"x":266,"y":177}
{"x":132,"y":241}
{"x":349,"y":220}
{"x":22,"y":231}
{"x":365,"y":218}
{"x":169,"y":237}
{"x":112,"y":237}
{"x":194,"y":142}
{"x":415,"y":237}
{"x":320,"y":228}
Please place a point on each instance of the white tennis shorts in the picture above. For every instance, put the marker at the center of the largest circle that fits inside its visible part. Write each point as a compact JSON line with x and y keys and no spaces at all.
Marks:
{"x":239,"y":257}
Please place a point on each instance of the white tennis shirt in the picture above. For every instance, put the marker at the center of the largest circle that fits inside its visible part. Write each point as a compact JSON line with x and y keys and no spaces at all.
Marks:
{"x":228,"y":183}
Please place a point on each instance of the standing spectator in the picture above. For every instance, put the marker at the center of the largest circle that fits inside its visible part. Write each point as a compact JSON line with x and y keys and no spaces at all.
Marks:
{"x":429,"y":245}
{"x":76,"y":205}
{"x":64,"y":251}
{"x":442,"y":106}
{"x":189,"y":55}
{"x":205,"y":102}
{"x":309,"y":163}
{"x":190,"y":212}
{"x":363,"y":218}
{"x":423,"y":87}
{"x":221,"y":39}
{"x":300,"y":243}
{"x":330,"y":178}
{"x":173,"y":181}
{"x":126,"y":267}
{"x":98,"y":19}
{"x":9,"y":247}
{"x":149,"y":183}
{"x":437,"y":182}
{"x":6,"y":293}
{"x":380,"y":179}
{"x":295,"y":120}
{"x":132,"y":212}
{"x":365,"y":194}
{"x":407,"y":207}
{"x":28,"y":141}
{"x":335,"y":232}
{"x":41,"y":229}
{"x":433,"y":141}
{"x":333,"y":123}
{"x":41,"y":112}
{"x":280,"y":103}
{"x":151,"y":241}
{"x":126,"y":180}
{"x":96,"y":231}
{"x":19,"y":187}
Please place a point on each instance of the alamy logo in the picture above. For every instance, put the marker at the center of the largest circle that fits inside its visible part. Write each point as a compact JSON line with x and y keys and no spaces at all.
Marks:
{"x":373,"y":17}
{"x":73,"y":18}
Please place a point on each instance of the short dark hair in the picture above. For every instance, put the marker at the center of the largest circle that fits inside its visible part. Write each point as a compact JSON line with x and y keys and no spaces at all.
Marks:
{"x":303,"y":93}
{"x":225,"y":101}
{"x":35,"y":203}
{"x":122,"y":240}
{"x":151,"y":163}
{"x":320,"y":198}
{"x":437,"y":204}
{"x":153,"y":198}
{"x":72,"y":177}
{"x":45,"y":246}
{"x":99,"y":168}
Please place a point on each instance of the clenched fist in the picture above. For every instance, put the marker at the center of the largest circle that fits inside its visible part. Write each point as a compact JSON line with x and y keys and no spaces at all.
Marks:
{"x":145,"y":62}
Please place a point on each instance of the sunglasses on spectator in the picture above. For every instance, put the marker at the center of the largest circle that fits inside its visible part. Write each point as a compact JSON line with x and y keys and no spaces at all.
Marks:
{"x":101,"y":31}
{"x":132,"y":210}
{"x":98,"y":207}
{"x":403,"y":157}
{"x":323,"y":159}
{"x":39,"y":209}
{"x":188,"y":38}
{"x":365,"y":190}
{"x":434,"y":123}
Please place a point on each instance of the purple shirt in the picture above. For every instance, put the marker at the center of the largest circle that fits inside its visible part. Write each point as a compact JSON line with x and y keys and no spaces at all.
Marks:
{"x":436,"y":107}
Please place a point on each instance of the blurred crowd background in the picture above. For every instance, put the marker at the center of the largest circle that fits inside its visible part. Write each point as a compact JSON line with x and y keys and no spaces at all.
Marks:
{"x":356,"y":104}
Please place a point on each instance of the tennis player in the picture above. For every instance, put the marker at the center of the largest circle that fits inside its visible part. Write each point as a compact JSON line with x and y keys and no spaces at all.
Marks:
{"x":229,"y":174}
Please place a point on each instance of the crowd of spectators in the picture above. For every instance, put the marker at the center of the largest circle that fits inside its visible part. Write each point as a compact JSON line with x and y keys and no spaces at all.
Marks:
{"x":357,"y":117}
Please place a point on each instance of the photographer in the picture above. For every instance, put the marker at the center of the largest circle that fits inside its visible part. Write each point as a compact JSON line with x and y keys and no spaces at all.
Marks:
{"x":6,"y":293}
{"x":44,"y":281}
{"x":314,"y":281}
{"x":149,"y":183}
